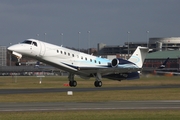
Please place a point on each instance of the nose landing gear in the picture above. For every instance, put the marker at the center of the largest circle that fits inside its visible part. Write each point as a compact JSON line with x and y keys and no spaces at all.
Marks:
{"x":18,"y":63}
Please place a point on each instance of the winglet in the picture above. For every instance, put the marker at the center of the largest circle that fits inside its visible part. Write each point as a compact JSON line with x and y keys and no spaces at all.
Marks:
{"x":139,"y":56}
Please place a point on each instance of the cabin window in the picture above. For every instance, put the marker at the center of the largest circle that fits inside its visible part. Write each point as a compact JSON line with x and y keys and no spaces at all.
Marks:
{"x":85,"y":58}
{"x":95,"y":61}
{"x":99,"y":62}
{"x":73,"y":55}
{"x":69,"y":54}
{"x":81,"y":57}
{"x":61,"y":52}
{"x":65,"y":53}
{"x":57,"y":51}
{"x":91,"y":60}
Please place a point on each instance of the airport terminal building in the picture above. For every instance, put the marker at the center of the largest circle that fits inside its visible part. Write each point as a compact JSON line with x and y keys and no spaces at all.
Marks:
{"x":156,"y":44}
{"x":162,"y":44}
{"x":3,"y":56}
{"x":161,"y":49}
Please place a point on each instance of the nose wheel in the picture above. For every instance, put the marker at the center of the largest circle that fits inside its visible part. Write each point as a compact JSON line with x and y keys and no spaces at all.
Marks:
{"x":18,"y":64}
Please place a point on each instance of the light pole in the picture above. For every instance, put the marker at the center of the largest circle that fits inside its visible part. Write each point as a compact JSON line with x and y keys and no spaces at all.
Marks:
{"x":79,"y":40}
{"x":147,"y":37}
{"x":37,"y":36}
{"x":45,"y":36}
{"x":61,"y":38}
{"x":128,"y":42}
{"x":88,"y":42}
{"x":10,"y":56}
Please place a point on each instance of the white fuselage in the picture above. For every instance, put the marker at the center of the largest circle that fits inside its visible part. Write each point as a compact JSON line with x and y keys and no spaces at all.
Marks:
{"x":82,"y":64}
{"x":57,"y":55}
{"x":63,"y":58}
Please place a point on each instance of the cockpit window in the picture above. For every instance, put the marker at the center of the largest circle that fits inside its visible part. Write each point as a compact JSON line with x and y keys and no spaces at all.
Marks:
{"x":27,"y":42}
{"x":34,"y":43}
{"x":30,"y":42}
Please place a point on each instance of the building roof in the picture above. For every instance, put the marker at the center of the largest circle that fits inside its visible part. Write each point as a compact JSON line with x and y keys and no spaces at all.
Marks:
{"x":163,"y":55}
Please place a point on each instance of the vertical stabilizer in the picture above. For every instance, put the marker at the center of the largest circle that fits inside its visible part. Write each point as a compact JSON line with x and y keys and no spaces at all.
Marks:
{"x":139,"y":55}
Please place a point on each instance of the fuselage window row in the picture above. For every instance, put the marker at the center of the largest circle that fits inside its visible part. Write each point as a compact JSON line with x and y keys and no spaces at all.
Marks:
{"x":78,"y":57}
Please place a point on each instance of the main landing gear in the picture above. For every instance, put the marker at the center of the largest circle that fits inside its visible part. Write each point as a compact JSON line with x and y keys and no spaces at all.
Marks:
{"x":98,"y":82}
{"x":72,"y":82}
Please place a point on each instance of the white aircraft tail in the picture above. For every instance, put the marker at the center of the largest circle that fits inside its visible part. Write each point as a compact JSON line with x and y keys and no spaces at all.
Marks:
{"x":139,"y":56}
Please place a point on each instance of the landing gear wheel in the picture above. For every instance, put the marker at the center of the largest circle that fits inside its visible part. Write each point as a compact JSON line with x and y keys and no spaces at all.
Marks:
{"x":97,"y":83}
{"x":73,"y":83}
{"x":18,"y":64}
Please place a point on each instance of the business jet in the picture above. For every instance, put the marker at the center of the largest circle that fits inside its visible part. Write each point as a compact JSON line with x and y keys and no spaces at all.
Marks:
{"x":82,"y":64}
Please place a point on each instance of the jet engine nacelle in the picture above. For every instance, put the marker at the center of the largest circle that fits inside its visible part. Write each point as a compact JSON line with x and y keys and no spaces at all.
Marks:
{"x":117,"y":61}
{"x":114,"y":62}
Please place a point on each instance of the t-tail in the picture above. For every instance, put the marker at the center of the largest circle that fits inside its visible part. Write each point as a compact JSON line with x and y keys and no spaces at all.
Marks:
{"x":139,"y":56}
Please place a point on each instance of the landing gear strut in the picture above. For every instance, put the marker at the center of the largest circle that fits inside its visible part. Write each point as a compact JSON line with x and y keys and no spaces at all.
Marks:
{"x":18,"y":63}
{"x":98,"y":82}
{"x":72,"y":82}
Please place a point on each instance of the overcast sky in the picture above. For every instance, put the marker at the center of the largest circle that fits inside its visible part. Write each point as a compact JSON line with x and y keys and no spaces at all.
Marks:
{"x":107,"y":20}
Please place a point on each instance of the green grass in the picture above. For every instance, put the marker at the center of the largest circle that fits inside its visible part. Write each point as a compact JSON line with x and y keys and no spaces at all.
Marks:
{"x":21,"y":82}
{"x":94,"y":115}
{"x":97,"y":96}
{"x":116,"y":95}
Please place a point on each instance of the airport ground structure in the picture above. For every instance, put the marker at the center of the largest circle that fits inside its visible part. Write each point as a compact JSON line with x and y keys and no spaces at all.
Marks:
{"x":30,"y":71}
{"x":3,"y":56}
{"x":161,"y":49}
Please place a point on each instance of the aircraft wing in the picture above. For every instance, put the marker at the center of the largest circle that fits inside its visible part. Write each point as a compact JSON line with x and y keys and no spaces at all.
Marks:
{"x":106,"y":70}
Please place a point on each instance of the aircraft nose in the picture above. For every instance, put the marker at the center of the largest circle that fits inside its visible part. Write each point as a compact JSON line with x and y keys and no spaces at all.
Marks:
{"x":14,"y":48}
{"x":11,"y":48}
